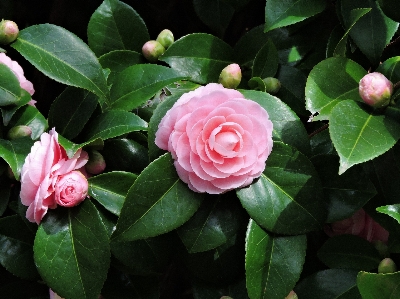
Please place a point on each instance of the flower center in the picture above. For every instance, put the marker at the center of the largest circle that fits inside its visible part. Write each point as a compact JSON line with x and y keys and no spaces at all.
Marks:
{"x":227,"y":140}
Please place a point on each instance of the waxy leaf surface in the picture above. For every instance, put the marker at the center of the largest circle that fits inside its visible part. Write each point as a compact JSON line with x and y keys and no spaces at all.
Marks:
{"x":379,"y":286}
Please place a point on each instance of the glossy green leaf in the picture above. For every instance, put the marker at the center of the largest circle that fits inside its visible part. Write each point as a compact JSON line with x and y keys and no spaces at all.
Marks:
{"x":379,"y":286}
{"x":7,"y":112}
{"x":372,"y":32}
{"x":158,"y":202}
{"x":390,"y":8}
{"x":138,"y":83}
{"x":321,"y":143}
{"x":14,"y":153}
{"x":284,"y":13}
{"x":391,"y":69}
{"x":257,"y":83}
{"x":331,"y":81}
{"x":111,"y":26}
{"x":329,"y":284}
{"x":288,"y":128}
{"x":287,"y":198}
{"x":349,"y":252}
{"x":30,"y":116}
{"x":248,"y":46}
{"x":346,"y":193}
{"x":391,"y":210}
{"x":71,"y":110}
{"x":266,"y":61}
{"x":16,"y":248}
{"x":273,"y":263}
{"x":199,"y":56}
{"x":63,"y":57}
{"x":10,"y":90}
{"x":361,"y":137}
{"x":217,"y":219}
{"x":72,"y":252}
{"x":112,"y":124}
{"x":110,"y":189}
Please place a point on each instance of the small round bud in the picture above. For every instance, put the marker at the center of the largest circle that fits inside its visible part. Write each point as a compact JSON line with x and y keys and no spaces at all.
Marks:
{"x":152,"y":50}
{"x":292,"y":295}
{"x":8,"y":32}
{"x":375,"y":90}
{"x":96,"y":163}
{"x":272,"y":85}
{"x":387,"y":266}
{"x":19,"y":132}
{"x":230,"y":76}
{"x":165,"y":38}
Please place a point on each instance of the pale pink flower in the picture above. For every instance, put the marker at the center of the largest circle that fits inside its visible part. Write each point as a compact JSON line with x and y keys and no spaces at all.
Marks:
{"x":41,"y":172}
{"x":218,"y":139}
{"x":54,"y":295}
{"x":375,"y":90}
{"x":71,"y":189}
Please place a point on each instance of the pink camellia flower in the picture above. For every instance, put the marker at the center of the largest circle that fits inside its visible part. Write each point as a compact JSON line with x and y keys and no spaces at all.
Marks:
{"x":19,"y":73}
{"x":71,"y":189}
{"x":54,"y":295}
{"x":42,"y":172}
{"x":218,"y":139}
{"x":375,"y":90}
{"x":360,"y":224}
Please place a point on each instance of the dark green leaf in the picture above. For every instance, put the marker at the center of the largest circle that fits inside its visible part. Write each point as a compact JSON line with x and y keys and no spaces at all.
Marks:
{"x":8,"y":112}
{"x":158,"y":202}
{"x":287,"y":197}
{"x":14,"y":153}
{"x":63,"y":57}
{"x":257,"y":83}
{"x":391,"y":210}
{"x":321,"y":143}
{"x":5,"y":191}
{"x":138,"y":83}
{"x":110,"y":189}
{"x":111,"y":27}
{"x":273,"y":264}
{"x":72,"y":252}
{"x":209,"y":291}
{"x":391,"y":69}
{"x":266,"y":61}
{"x":391,"y":8}
{"x":361,"y":137}
{"x":10,"y":90}
{"x":379,"y":286}
{"x":199,"y":56}
{"x":31,"y":117}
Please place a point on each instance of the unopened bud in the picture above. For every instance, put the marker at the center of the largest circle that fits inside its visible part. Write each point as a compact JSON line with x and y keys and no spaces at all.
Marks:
{"x":292,"y":295}
{"x":272,"y":85}
{"x":387,"y":266}
{"x":8,"y":32}
{"x":96,"y":163}
{"x":165,"y":38}
{"x":375,"y":90}
{"x":230,"y":76}
{"x":225,"y":297}
{"x":152,"y":50}
{"x":19,"y":132}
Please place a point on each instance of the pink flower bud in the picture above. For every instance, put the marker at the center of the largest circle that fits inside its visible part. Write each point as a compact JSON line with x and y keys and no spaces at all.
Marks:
{"x":375,"y":90}
{"x":71,"y":189}
{"x":152,"y":50}
{"x":96,"y":163}
{"x":230,"y":76}
{"x":292,"y":295}
{"x":165,"y":38}
{"x":8,"y":32}
{"x":387,"y":265}
{"x":272,"y":85}
{"x":19,"y":132}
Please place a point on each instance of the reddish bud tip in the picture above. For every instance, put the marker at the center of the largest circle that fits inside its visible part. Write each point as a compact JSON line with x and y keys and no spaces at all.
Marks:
{"x":375,"y":90}
{"x":230,"y":76}
{"x":387,"y":265}
{"x":152,"y":50}
{"x":8,"y":32}
{"x":96,"y":163}
{"x":19,"y":132}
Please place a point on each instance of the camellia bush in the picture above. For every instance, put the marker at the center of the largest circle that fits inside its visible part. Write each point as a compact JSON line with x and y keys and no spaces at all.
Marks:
{"x":235,"y":161}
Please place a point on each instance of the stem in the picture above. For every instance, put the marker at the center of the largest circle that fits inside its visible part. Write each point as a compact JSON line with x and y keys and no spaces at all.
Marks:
{"x":319,"y":130}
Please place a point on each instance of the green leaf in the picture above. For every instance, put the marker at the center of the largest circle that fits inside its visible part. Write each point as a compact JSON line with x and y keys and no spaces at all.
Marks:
{"x":158,"y":202}
{"x":257,"y":83}
{"x":349,"y":252}
{"x":361,"y":137}
{"x":372,"y":32}
{"x":391,"y":210}
{"x":329,"y":284}
{"x":72,"y":252}
{"x":199,"y":56}
{"x":112,"y":124}
{"x":346,"y":193}
{"x":331,"y":81}
{"x":5,"y":190}
{"x":71,"y":110}
{"x":391,"y":8}
{"x":287,"y":198}
{"x":212,"y":225}
{"x":10,"y":90}
{"x":8,"y":112}
{"x":138,"y":83}
{"x":391,"y":69}
{"x":273,"y":264}
{"x":379,"y":286}
{"x":266,"y":61}
{"x":14,"y":153}
{"x":16,"y":248}
{"x":30,"y":116}
{"x":288,"y":128}
{"x":63,"y":57}
{"x":284,"y":13}
{"x":110,"y":189}
{"x":210,"y":291}
{"x":111,"y":27}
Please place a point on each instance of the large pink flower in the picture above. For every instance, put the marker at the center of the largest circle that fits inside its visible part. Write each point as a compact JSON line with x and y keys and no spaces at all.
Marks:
{"x":218,"y":139}
{"x":43,"y":167}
